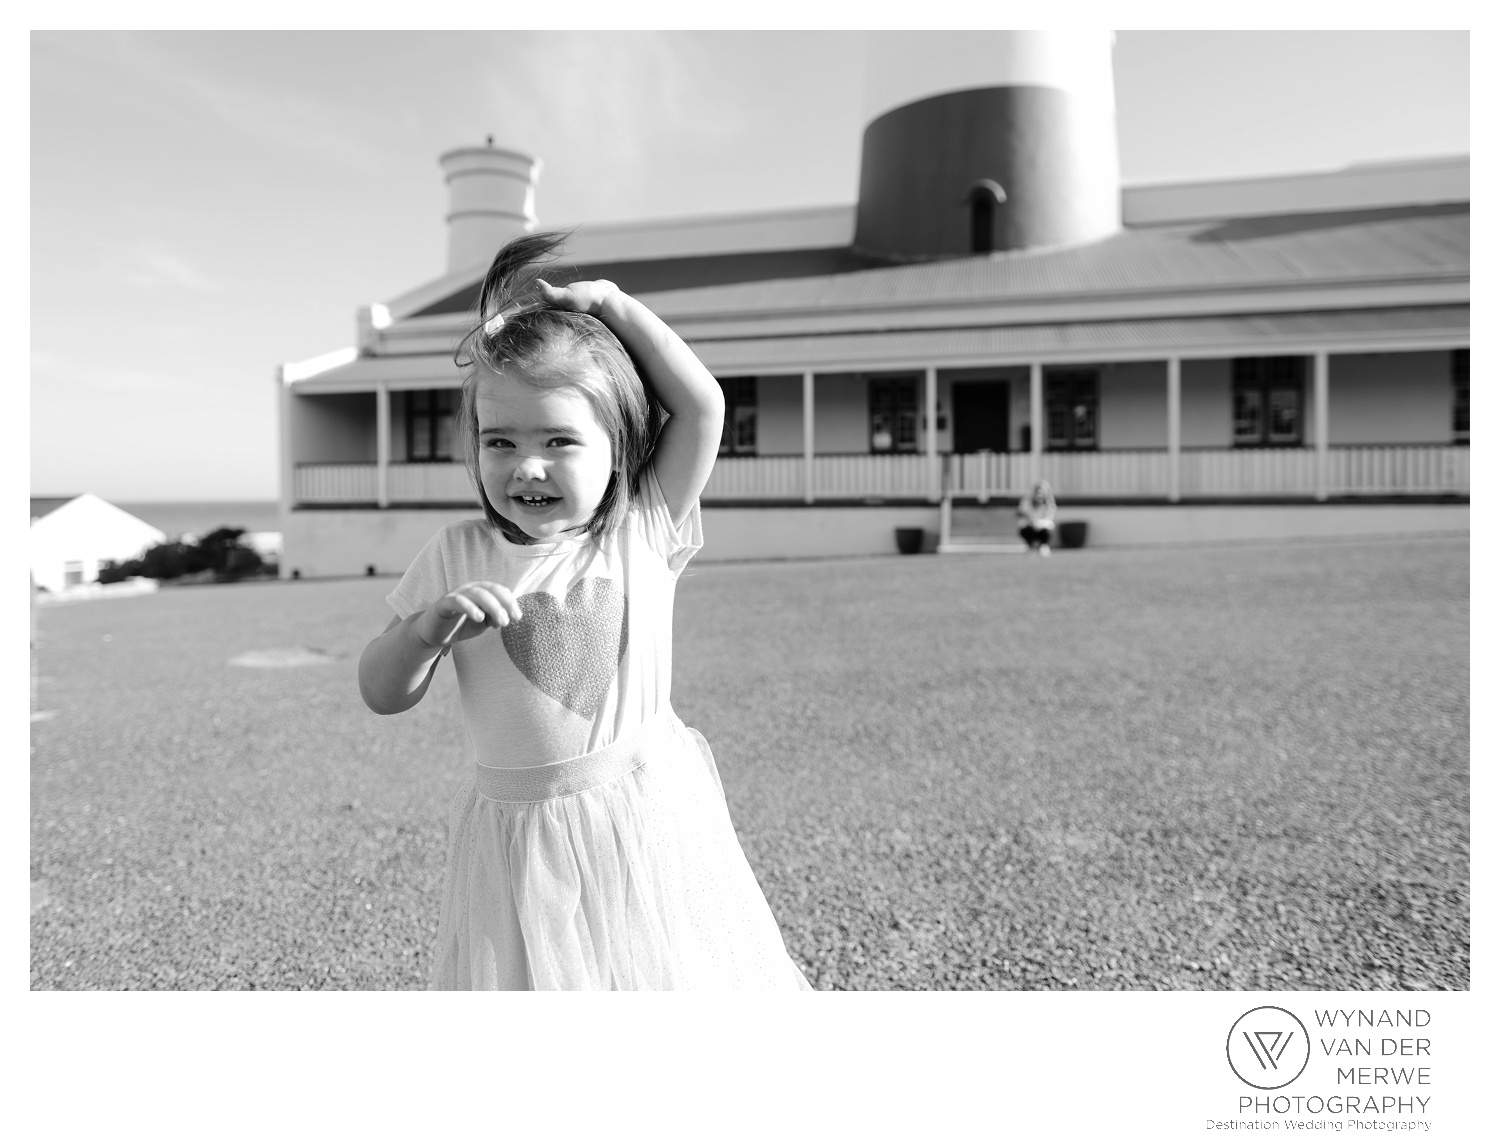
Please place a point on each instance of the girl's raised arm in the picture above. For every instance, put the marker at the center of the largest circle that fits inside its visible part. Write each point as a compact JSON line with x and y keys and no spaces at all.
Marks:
{"x":689,"y":442}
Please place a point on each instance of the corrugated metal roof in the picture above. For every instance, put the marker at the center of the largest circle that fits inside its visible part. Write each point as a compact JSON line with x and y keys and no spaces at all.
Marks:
{"x":1392,"y":243}
{"x":1176,"y":335}
{"x":647,"y":275}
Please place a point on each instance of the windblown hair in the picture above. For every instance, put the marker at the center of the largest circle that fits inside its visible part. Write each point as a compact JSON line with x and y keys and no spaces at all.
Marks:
{"x":534,"y":333}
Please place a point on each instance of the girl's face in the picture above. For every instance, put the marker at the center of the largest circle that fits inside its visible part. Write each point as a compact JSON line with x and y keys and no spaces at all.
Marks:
{"x":544,"y":459}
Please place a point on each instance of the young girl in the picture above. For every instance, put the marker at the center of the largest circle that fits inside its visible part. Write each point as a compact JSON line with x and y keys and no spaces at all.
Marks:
{"x":1035,"y":512}
{"x":593,"y":848}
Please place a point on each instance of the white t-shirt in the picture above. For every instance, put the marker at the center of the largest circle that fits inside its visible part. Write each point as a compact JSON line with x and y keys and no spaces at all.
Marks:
{"x":591,"y":657}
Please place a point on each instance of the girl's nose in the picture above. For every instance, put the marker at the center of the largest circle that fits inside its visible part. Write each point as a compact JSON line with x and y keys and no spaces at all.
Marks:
{"x":531,"y":468}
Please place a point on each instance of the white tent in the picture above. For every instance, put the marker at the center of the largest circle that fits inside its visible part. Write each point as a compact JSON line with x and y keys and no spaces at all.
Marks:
{"x":69,"y":542}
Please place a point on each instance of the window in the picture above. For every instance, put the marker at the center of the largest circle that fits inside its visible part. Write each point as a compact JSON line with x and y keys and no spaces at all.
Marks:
{"x":72,"y":574}
{"x":1268,"y":401}
{"x":893,"y":415}
{"x":429,"y":425}
{"x":1072,"y":409}
{"x":1460,"y":368}
{"x":740,"y":402}
{"x":983,"y":199}
{"x":982,"y":224}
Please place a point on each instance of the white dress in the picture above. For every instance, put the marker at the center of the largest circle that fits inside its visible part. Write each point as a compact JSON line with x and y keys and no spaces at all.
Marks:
{"x":593,"y":848}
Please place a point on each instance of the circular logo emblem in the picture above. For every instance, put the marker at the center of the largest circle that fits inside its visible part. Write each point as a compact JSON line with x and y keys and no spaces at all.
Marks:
{"x":1268,"y":1047}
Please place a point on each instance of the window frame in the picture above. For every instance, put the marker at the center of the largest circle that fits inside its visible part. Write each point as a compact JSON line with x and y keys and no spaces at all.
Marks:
{"x":1266,"y":378}
{"x":1458,"y":371}
{"x":740,"y":434}
{"x":427,"y":410}
{"x":1064,"y":391}
{"x":894,"y":397}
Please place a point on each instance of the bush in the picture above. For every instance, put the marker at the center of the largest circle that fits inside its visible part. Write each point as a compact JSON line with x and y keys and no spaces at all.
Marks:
{"x":219,"y":552}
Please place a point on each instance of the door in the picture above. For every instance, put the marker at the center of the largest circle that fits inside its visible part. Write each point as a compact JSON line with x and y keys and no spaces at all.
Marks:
{"x":981,"y":416}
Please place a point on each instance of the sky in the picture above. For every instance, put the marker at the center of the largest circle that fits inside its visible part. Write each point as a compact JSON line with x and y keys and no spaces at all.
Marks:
{"x":206,"y":205}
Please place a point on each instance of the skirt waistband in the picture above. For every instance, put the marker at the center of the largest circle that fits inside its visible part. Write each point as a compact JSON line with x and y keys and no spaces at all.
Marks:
{"x":575,"y":774}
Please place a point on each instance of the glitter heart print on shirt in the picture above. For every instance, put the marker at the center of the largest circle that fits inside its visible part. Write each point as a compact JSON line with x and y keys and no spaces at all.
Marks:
{"x":570,"y":649}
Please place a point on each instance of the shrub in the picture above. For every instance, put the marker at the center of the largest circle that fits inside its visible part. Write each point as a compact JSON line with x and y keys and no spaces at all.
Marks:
{"x":219,"y":552}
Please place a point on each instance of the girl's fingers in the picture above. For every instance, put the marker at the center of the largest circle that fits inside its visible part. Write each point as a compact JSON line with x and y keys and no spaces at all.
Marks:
{"x":486,"y":604}
{"x":499,"y":604}
{"x":504,"y":600}
{"x":470,"y":609}
{"x":512,"y":607}
{"x":557,"y":296}
{"x":584,"y":296}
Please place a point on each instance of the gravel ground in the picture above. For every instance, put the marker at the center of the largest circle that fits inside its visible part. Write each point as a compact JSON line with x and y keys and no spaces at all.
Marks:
{"x":1228,"y":767}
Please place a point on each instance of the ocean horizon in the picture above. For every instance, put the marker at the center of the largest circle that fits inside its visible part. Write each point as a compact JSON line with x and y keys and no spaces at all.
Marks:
{"x":198,"y":517}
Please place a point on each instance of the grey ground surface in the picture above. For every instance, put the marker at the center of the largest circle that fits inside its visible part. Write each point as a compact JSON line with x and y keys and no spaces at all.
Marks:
{"x":1227,"y":767}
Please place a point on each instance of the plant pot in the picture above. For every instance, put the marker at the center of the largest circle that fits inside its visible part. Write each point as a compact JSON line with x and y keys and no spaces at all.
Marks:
{"x":1073,"y":533}
{"x":909,"y":540}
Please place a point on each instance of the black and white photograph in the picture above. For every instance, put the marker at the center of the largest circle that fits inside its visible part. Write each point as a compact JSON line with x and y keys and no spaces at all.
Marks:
{"x":731,"y":511}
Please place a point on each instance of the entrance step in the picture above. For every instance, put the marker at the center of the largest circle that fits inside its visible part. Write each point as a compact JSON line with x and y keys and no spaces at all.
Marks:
{"x":961,"y":546}
{"x":989,"y":524}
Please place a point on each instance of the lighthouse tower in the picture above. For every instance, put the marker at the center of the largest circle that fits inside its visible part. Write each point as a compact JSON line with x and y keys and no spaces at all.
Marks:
{"x":491,"y":199}
{"x":998,"y":141}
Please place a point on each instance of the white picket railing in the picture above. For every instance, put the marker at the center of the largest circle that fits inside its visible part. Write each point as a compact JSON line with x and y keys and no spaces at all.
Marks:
{"x":334,"y":483}
{"x":1228,"y":472}
{"x":757,"y":477}
{"x":1393,"y":471}
{"x":1249,"y":471}
{"x":907,"y":476}
{"x":1352,"y":470}
{"x":429,"y":483}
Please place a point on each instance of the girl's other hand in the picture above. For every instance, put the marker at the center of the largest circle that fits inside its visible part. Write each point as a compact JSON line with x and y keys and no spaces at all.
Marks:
{"x":466,"y":612}
{"x":582,"y":296}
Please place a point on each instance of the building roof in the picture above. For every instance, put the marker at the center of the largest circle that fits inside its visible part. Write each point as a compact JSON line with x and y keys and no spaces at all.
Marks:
{"x":90,"y":518}
{"x":46,"y":504}
{"x":650,"y":275}
{"x":1298,"y":332}
{"x":1135,"y":290}
{"x":1349,"y":246}
{"x":681,"y":253}
{"x":1410,"y":242}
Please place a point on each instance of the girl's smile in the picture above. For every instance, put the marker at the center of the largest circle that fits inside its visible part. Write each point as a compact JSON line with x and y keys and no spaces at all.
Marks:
{"x":544,"y":460}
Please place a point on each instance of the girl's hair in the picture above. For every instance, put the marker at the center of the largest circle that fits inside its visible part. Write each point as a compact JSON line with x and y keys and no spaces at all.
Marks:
{"x":1040,"y":493}
{"x":531,"y":332}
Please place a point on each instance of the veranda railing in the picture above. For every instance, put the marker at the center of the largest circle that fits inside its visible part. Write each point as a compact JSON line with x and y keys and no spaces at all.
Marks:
{"x":1202,"y":472}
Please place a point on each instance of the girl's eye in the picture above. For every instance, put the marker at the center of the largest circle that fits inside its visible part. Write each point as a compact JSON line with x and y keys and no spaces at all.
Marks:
{"x":497,"y":442}
{"x":560,"y":441}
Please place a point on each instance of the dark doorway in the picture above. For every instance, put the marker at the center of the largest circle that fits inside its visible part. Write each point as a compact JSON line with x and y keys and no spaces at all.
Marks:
{"x":981,"y":416}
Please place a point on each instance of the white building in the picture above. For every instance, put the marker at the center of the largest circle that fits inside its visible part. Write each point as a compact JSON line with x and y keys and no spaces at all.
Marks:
{"x":1252,"y":358}
{"x":71,"y":537}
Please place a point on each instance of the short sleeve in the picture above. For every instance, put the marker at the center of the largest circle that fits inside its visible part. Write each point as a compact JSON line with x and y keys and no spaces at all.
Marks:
{"x":676,"y":545}
{"x":425,"y":580}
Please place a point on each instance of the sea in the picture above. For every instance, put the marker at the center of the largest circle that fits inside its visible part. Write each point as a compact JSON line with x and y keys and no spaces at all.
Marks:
{"x":198,"y":517}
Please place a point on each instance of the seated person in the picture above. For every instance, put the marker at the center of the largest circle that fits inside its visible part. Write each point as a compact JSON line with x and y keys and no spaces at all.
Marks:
{"x":1035,"y":513}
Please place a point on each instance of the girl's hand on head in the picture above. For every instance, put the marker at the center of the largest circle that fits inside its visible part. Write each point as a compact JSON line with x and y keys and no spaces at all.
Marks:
{"x":588,"y":297}
{"x":466,"y":612}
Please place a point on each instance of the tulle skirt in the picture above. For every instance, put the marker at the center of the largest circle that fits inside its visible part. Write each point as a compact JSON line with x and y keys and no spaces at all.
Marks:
{"x":616,"y":870}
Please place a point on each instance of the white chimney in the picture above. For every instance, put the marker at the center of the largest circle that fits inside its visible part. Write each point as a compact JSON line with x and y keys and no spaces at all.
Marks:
{"x":491,"y":199}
